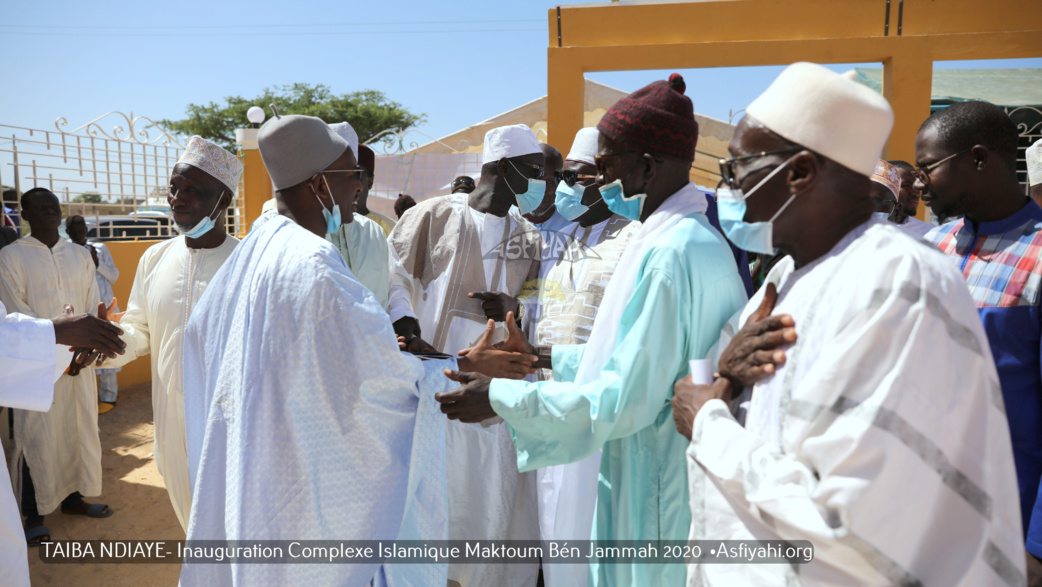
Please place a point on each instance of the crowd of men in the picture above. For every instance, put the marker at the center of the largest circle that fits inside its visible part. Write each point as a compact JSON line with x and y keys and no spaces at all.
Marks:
{"x":514,"y":360}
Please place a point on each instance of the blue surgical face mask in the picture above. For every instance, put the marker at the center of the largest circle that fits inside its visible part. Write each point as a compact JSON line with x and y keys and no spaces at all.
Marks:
{"x":569,"y":200}
{"x":530,"y":199}
{"x":203,"y":226}
{"x":755,"y":237}
{"x":332,"y":216}
{"x":621,"y":204}
{"x":881,"y":215}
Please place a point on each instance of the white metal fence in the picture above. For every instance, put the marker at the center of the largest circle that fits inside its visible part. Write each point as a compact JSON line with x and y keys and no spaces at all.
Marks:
{"x":118,"y":180}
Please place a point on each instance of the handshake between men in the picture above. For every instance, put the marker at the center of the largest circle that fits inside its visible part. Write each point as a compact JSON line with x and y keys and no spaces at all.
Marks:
{"x":92,"y":338}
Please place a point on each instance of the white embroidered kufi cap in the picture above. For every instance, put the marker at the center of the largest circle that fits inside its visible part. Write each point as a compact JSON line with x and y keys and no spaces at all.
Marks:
{"x":888,"y":175}
{"x":210,"y":157}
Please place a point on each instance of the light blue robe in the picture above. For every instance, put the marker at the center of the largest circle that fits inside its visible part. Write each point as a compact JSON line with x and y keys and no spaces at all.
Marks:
{"x":685,"y":290}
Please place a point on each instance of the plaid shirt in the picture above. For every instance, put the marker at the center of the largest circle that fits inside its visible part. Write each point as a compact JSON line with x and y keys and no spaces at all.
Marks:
{"x":1002,"y":264}
{"x":1001,"y":261}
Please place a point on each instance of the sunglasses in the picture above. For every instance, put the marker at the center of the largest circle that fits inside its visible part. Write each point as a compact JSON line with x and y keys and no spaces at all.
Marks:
{"x":538,"y":168}
{"x":603,"y":161}
{"x":572,"y":177}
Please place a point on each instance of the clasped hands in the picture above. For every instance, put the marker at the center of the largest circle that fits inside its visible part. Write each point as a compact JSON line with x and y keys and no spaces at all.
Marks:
{"x":92,"y":338}
{"x":754,"y":354}
{"x":513,"y":358}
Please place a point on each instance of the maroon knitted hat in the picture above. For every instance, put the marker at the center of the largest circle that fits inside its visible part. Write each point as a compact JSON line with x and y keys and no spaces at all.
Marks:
{"x":657,"y":119}
{"x":367,"y":159}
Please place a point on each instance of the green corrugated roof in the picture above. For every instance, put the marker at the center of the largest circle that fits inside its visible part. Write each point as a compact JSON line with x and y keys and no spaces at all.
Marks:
{"x":1005,"y":87}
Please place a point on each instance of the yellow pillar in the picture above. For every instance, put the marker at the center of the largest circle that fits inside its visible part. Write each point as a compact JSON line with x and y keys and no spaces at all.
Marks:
{"x":565,"y":100}
{"x":907,"y":84}
{"x":256,"y":183}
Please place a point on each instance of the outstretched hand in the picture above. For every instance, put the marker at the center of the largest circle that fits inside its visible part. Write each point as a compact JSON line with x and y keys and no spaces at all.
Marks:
{"x":496,"y":305}
{"x":497,"y":360}
{"x":515,"y":342}
{"x":755,"y":351}
{"x":468,"y":403}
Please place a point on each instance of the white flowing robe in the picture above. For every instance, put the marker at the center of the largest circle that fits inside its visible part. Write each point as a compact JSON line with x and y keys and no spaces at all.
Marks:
{"x":61,"y":446}
{"x":169,"y":281}
{"x":30,"y":363}
{"x":449,"y":250}
{"x":304,"y":421}
{"x":882,"y":439}
{"x":577,"y":265}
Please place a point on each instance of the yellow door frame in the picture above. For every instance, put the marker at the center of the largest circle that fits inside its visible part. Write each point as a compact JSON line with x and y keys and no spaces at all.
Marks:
{"x":906,"y":36}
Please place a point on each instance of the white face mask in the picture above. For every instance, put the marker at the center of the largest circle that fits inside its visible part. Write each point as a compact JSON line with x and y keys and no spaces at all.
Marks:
{"x":203,"y":226}
{"x":755,"y":237}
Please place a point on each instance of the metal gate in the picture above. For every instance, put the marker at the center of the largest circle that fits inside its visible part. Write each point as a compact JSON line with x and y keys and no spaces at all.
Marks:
{"x":117,"y":180}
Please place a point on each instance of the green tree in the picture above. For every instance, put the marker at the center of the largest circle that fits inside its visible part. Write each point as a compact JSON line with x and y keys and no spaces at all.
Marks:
{"x":368,"y":111}
{"x":88,"y":198}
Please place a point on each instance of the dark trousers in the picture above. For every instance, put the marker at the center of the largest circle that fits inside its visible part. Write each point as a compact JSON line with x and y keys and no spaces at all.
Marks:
{"x":29,"y":509}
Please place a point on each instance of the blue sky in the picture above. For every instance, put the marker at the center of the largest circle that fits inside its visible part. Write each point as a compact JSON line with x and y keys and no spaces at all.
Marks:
{"x":457,"y":62}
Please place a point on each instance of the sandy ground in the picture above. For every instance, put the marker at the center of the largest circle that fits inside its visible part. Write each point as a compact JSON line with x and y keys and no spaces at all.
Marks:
{"x":132,"y":487}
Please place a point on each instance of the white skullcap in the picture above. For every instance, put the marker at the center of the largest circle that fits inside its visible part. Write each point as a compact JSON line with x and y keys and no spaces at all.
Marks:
{"x":347,"y":132}
{"x":833,"y":116}
{"x":509,"y":141}
{"x":295,"y":148}
{"x":210,"y":157}
{"x":1034,"y":157}
{"x":584,"y":147}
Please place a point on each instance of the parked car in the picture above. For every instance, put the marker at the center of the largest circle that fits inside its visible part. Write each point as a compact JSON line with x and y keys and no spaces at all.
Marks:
{"x":128,"y":228}
{"x":152,"y":211}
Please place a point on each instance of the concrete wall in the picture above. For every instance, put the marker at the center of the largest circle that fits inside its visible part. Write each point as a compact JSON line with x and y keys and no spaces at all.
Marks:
{"x":126,"y":256}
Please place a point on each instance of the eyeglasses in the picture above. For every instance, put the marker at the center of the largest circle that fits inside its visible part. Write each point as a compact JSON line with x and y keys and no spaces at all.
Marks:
{"x":887,"y":206}
{"x":538,"y":168}
{"x":359,"y":171}
{"x":572,"y":177}
{"x":602,"y":161}
{"x":923,"y":173}
{"x":461,"y":181}
{"x":727,"y":165}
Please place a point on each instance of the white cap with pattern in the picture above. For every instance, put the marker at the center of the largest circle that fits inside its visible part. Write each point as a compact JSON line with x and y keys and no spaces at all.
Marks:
{"x":210,"y":157}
